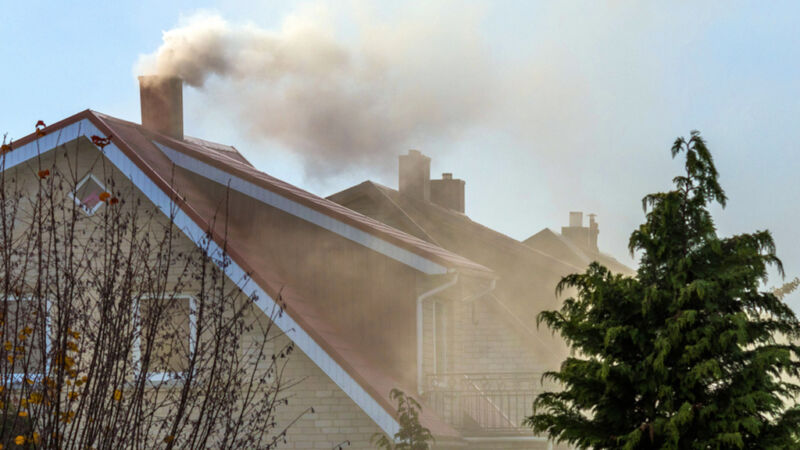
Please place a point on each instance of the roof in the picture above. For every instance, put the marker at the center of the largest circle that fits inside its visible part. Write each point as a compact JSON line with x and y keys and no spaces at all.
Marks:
{"x":527,"y":277}
{"x":558,"y":244}
{"x":528,"y":273}
{"x":214,"y":155}
{"x":140,"y":146}
{"x":425,"y":220}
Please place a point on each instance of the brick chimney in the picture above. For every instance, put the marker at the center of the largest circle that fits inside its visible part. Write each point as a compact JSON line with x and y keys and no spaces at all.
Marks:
{"x":448,"y":192}
{"x":583,"y":237}
{"x":162,"y":104}
{"x":415,"y":175}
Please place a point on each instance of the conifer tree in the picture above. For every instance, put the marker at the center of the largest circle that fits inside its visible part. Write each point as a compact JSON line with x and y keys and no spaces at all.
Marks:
{"x":689,"y":353}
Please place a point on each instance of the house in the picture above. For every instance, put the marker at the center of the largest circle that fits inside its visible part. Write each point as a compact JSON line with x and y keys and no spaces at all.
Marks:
{"x":528,"y":271}
{"x":497,"y":341}
{"x":576,"y":243}
{"x":371,"y":304}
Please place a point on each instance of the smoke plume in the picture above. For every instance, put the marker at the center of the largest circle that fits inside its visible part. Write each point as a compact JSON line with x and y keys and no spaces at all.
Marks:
{"x":337,"y":103}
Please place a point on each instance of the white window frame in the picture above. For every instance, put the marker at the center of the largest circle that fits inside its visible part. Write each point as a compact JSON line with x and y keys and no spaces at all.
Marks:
{"x":78,"y":201}
{"x":137,"y":344}
{"x":19,"y":377}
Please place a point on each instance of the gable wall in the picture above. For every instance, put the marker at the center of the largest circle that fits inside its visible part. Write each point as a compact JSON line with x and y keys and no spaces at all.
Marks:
{"x":336,"y":418}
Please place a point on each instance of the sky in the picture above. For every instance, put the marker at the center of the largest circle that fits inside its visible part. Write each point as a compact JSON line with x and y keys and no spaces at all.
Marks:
{"x":542,"y":107}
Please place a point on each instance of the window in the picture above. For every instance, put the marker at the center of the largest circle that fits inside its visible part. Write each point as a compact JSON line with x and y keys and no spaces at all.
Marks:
{"x":26,"y":336}
{"x":439,"y":338}
{"x":166,"y":329}
{"x":87,"y":194}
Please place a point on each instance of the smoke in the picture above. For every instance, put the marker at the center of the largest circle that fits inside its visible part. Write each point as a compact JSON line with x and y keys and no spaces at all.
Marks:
{"x":335,"y":102}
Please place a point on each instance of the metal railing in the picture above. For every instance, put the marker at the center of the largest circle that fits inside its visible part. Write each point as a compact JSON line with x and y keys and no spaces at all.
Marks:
{"x":484,"y":403}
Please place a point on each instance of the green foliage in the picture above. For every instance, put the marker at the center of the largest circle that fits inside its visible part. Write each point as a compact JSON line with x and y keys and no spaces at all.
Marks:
{"x":412,"y":435}
{"x":686,"y":354}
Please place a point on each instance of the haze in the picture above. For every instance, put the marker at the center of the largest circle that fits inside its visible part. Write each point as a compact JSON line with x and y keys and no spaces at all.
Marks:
{"x":543,"y":109}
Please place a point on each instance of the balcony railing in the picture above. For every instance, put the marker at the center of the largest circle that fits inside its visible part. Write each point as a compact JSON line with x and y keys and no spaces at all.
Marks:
{"x":484,"y":403}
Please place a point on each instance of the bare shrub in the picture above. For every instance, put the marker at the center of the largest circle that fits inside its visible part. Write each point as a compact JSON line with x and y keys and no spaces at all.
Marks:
{"x":117,"y":330}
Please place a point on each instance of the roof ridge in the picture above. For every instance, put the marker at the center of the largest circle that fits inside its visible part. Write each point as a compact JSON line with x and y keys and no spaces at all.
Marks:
{"x":510,"y":241}
{"x":410,"y":219}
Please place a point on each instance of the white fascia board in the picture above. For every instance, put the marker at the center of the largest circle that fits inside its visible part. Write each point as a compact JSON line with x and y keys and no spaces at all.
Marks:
{"x":303,"y":212}
{"x":289,"y":326}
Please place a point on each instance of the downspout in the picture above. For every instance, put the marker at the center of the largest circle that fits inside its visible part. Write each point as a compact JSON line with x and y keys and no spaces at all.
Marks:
{"x":420,"y":299}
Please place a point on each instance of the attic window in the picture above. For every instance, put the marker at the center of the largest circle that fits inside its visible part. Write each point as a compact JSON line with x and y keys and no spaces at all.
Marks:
{"x":87,"y":194}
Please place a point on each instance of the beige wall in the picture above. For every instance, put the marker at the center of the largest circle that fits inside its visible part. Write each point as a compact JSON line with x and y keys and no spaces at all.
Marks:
{"x":336,"y":417}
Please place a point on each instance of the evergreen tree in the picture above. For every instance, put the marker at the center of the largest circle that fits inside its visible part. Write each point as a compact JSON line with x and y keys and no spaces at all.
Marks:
{"x":686,"y":353}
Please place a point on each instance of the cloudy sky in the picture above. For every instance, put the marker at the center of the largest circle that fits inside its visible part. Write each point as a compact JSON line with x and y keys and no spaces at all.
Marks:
{"x":542,"y":107}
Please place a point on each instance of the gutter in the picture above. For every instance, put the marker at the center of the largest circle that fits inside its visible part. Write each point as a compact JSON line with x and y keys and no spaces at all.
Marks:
{"x":420,"y":299}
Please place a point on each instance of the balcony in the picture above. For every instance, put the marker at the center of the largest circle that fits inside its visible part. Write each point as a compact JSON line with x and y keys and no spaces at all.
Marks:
{"x":483,"y":404}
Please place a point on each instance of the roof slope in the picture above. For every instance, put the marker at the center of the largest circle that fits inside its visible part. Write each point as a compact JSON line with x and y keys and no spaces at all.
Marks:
{"x":138,"y":144}
{"x":210,"y":154}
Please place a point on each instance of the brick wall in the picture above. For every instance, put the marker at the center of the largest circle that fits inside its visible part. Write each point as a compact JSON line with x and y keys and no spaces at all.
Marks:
{"x":485,"y":341}
{"x":336,"y":417}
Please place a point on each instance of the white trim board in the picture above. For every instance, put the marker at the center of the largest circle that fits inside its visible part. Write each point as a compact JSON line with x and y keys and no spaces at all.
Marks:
{"x":303,"y":212}
{"x":285,"y":323}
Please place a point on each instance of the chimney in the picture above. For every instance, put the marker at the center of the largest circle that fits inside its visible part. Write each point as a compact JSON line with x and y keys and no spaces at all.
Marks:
{"x":415,"y":175}
{"x":575,"y":219}
{"x":583,"y":237}
{"x":162,"y":104}
{"x":448,"y":192}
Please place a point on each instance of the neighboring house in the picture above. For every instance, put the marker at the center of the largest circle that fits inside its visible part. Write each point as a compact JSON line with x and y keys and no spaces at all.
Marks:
{"x":496,"y":348}
{"x":369,"y":305}
{"x":576,"y":244}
